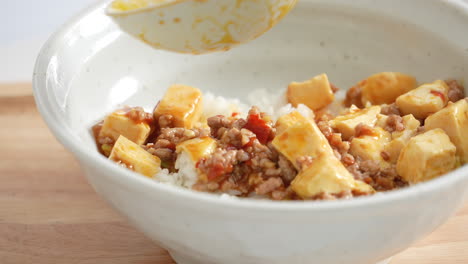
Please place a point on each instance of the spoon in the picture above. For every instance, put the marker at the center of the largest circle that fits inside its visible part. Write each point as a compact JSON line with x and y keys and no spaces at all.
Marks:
{"x":197,"y":26}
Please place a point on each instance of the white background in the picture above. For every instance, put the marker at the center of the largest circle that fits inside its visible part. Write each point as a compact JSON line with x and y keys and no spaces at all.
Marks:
{"x":24,"y":26}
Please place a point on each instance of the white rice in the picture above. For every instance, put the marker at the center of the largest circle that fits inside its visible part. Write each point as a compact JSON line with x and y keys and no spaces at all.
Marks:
{"x":186,"y":175}
{"x":272,"y":103}
{"x":218,"y":105}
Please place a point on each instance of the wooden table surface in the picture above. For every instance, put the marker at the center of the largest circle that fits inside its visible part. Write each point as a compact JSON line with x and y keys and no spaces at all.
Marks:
{"x":50,"y":214}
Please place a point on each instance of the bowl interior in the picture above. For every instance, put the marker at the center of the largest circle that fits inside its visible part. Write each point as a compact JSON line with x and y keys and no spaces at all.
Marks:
{"x":100,"y":68}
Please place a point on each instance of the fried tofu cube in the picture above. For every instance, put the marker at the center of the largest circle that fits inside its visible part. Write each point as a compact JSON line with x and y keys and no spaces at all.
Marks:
{"x":118,"y":123}
{"x":401,"y":138}
{"x":315,"y":93}
{"x":424,"y":100}
{"x":370,"y":147}
{"x":346,"y":124}
{"x":134,"y":157}
{"x":326,"y":174}
{"x":184,"y":103}
{"x":385,"y":87}
{"x":427,"y":156}
{"x":453,"y":119}
{"x":300,"y":138}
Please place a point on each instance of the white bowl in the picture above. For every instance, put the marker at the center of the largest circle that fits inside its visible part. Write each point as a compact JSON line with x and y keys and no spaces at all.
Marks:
{"x":89,"y":67}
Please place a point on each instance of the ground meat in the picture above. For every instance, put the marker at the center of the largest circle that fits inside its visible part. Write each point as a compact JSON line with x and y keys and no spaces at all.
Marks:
{"x":162,"y":153}
{"x":370,"y":166}
{"x":325,"y":128}
{"x":394,"y":123}
{"x":269,"y":186}
{"x":304,"y":161}
{"x":167,"y":140}
{"x":217,"y":122}
{"x":239,"y":123}
{"x":288,"y":172}
{"x":242,"y":164}
{"x":336,"y":142}
{"x":178,"y":134}
{"x":380,"y":179}
{"x":206,"y":187}
{"x":391,"y":109}
{"x":218,"y":164}
{"x":385,"y":155}
{"x":165,"y":121}
{"x":282,"y":194}
{"x":353,"y":97}
{"x":232,"y":137}
{"x":138,"y":115}
{"x":261,"y":157}
{"x":456,"y":90}
{"x":347,"y":159}
{"x":242,"y":156}
{"x":363,"y":130}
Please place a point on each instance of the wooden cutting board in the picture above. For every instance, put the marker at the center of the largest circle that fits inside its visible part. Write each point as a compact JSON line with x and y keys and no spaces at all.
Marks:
{"x":50,"y":214}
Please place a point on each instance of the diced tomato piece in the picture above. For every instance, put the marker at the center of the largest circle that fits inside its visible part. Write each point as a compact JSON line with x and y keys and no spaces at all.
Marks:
{"x":259,"y":127}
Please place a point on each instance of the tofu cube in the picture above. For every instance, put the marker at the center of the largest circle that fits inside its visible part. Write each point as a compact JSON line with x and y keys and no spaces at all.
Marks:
{"x":184,"y":103}
{"x":315,"y":93}
{"x":427,"y":156}
{"x":453,"y":119}
{"x":346,"y":124}
{"x":134,"y":157}
{"x":424,"y":100}
{"x":370,"y":147}
{"x":190,"y":152}
{"x":197,"y":148}
{"x":326,"y":174}
{"x":290,"y":119}
{"x":300,"y":138}
{"x":401,"y":138}
{"x":118,"y":123}
{"x":385,"y":87}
